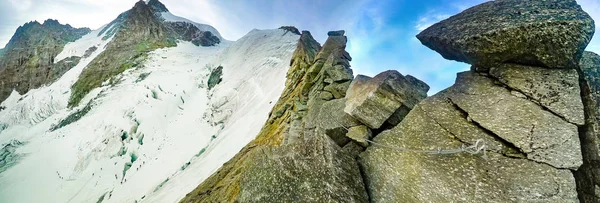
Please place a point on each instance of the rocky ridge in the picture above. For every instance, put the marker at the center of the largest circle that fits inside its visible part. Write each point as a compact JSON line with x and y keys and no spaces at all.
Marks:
{"x":520,"y":126}
{"x":309,"y":143}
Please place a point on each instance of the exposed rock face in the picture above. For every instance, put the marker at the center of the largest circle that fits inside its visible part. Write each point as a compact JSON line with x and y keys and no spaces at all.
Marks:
{"x":402,"y":176}
{"x":313,"y":171}
{"x":557,"y":90}
{"x":157,"y":6}
{"x":189,"y":32}
{"x":27,"y":62}
{"x":588,"y":175}
{"x":536,"y":132}
{"x":514,"y":31}
{"x":373,"y":101}
{"x":335,"y":122}
{"x":291,"y":29}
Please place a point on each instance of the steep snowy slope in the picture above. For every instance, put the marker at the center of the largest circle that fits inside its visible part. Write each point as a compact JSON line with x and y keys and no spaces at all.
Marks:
{"x":153,"y":132}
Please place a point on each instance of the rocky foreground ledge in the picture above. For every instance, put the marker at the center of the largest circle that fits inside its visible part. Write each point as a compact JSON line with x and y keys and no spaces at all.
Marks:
{"x":520,"y":126}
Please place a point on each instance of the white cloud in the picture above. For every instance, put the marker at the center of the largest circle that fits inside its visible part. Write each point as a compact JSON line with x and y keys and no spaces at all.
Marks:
{"x":429,"y":19}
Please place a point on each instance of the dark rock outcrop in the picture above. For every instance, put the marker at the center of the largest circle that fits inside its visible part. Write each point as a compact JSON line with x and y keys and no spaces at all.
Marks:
{"x":551,"y":33}
{"x":190,"y":32}
{"x":588,"y":175}
{"x":27,"y":62}
{"x":291,"y":29}
{"x":157,"y":6}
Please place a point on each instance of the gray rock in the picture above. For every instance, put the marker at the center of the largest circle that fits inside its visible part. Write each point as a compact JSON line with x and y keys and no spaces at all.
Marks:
{"x":550,"y":33}
{"x":338,"y":90}
{"x":313,"y":171}
{"x":373,"y":101}
{"x":335,"y":122}
{"x":557,"y":90}
{"x":360,"y":134}
{"x":400,"y":176}
{"x":340,"y":73}
{"x":336,"y":33}
{"x":324,"y":95}
{"x":543,"y":136}
{"x":353,"y":149}
{"x":418,"y":84}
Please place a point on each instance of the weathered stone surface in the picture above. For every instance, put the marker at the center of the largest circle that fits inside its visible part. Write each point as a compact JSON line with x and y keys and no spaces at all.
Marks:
{"x":543,"y":136}
{"x":313,"y":171}
{"x":338,"y":90}
{"x":335,"y":122}
{"x":400,"y":176}
{"x":373,"y":101}
{"x":550,"y":33}
{"x":557,"y":90}
{"x":324,"y":95}
{"x":340,"y":73}
{"x":353,"y":149}
{"x":588,"y":175}
{"x":360,"y":134}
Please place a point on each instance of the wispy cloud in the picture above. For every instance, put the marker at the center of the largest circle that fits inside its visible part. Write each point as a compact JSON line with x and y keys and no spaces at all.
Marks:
{"x":429,"y":19}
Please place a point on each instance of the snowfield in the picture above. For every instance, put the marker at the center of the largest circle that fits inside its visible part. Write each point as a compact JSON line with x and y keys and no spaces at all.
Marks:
{"x":153,"y":136}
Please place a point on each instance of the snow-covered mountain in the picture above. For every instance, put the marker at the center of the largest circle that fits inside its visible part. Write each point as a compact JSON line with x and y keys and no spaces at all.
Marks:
{"x":147,"y":125}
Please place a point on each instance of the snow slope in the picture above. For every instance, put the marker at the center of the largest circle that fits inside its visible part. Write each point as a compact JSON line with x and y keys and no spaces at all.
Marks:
{"x":152,"y":137}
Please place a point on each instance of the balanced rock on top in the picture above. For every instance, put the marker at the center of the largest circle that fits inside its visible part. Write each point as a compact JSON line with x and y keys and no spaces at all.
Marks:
{"x":511,"y":31}
{"x":373,"y":100}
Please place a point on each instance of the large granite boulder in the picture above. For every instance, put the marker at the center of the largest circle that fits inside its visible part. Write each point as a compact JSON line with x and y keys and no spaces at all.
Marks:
{"x":373,"y":100}
{"x":316,"y":170}
{"x":424,"y":160}
{"x":550,"y":33}
{"x":557,"y":90}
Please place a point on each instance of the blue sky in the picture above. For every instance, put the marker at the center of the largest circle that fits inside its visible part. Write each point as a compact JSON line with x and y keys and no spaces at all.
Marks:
{"x":381,"y":33}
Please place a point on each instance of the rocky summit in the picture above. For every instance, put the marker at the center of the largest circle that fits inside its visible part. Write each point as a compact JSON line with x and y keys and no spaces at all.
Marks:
{"x":153,"y":107}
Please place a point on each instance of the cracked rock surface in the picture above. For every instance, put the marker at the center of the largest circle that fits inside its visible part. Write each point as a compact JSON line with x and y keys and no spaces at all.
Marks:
{"x":543,"y":136}
{"x":503,"y":176}
{"x":555,"y":89}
